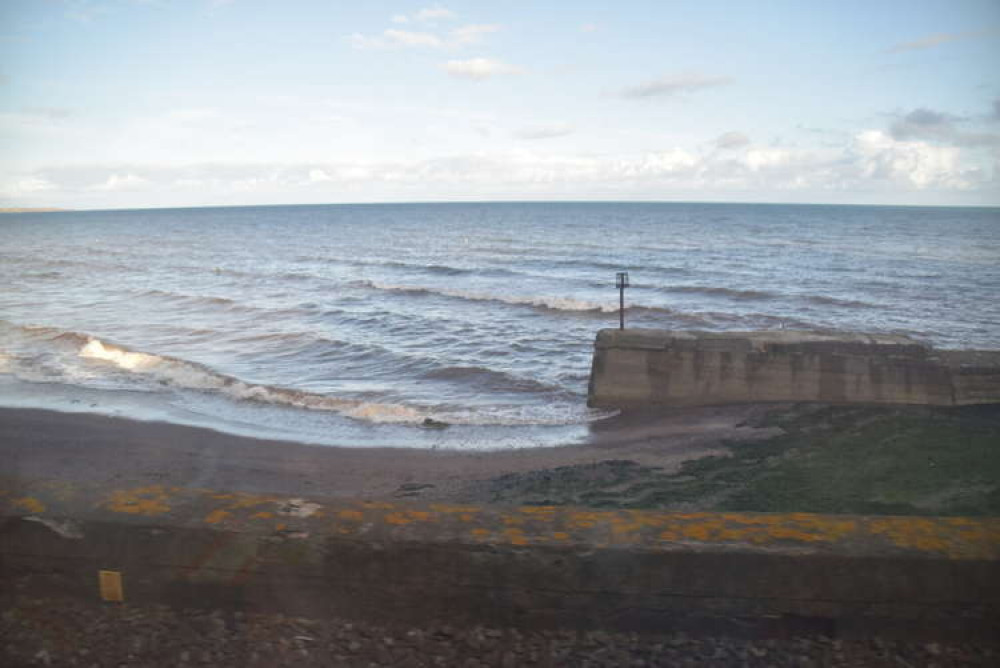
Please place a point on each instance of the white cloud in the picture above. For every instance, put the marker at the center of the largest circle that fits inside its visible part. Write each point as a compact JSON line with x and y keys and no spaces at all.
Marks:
{"x":117,"y":182}
{"x":399,"y":18}
{"x":318,"y":176}
{"x":731,"y":140}
{"x":27,"y":186}
{"x":434,"y":13}
{"x":675,"y":85}
{"x":472,"y":34}
{"x":407,"y":38}
{"x":937,"y":39}
{"x":873,"y":164}
{"x":478,"y":69}
{"x":544,"y":131}
{"x":914,"y":164}
{"x":392,"y":37}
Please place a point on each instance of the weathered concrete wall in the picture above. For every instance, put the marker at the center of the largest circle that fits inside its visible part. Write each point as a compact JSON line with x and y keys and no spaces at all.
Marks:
{"x":636,"y":367}
{"x":525,"y":567}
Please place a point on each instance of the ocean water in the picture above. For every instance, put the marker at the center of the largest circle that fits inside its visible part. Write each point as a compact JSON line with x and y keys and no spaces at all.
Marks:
{"x":351,"y":324}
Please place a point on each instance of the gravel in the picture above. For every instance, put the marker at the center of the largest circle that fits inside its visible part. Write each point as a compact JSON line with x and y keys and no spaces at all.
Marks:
{"x":57,"y":631}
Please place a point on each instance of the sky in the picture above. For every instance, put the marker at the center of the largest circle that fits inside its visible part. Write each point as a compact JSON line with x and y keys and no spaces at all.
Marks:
{"x":162,"y":103}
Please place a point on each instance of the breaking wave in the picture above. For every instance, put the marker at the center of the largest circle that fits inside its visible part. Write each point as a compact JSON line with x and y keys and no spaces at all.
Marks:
{"x":172,"y":372}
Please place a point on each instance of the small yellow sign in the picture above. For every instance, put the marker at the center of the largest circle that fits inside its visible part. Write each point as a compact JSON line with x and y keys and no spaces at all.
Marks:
{"x":111,"y":586}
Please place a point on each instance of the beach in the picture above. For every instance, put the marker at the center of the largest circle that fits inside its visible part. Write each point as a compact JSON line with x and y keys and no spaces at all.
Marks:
{"x":85,"y":448}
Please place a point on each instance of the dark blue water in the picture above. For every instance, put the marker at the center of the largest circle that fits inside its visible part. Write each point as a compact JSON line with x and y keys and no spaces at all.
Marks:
{"x":322,"y":321}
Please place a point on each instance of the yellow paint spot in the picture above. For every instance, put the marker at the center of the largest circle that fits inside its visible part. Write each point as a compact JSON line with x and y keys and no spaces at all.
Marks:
{"x":30,"y":503}
{"x":480,"y":533}
{"x":110,"y":583}
{"x":560,"y":535}
{"x":355,"y":515}
{"x":516,"y":536}
{"x":263,"y":515}
{"x":538,"y":510}
{"x":151,"y":500}
{"x":466,"y":517}
{"x":451,"y":508}
{"x":216,"y":516}
{"x":378,"y":505}
{"x":408,"y":516}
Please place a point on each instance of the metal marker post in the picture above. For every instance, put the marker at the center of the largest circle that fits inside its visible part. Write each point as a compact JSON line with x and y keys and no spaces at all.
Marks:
{"x":621,"y":282}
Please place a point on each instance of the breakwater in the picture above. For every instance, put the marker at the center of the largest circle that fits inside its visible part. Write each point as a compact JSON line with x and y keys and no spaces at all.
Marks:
{"x":640,"y":367}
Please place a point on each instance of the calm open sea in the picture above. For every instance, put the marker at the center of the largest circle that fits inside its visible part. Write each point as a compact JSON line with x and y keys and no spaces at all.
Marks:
{"x":352,"y":323}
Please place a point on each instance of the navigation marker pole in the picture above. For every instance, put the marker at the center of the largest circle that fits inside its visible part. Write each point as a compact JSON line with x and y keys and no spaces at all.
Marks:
{"x":621,"y":282}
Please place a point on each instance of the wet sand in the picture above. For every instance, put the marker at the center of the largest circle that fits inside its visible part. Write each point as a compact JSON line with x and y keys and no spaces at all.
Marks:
{"x":77,"y":447}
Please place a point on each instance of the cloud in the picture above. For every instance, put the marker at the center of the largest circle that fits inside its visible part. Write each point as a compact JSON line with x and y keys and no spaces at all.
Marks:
{"x":922,"y":123}
{"x":914,"y":164}
{"x":392,"y":37}
{"x":930,"y":125}
{"x":937,"y":39}
{"x":731,"y":140}
{"x":479,"y":69}
{"x":544,"y":131}
{"x":675,"y":85}
{"x":27,"y":186}
{"x":399,"y":18}
{"x":434,"y":13}
{"x":117,"y":182}
{"x":472,"y":34}
{"x":873,"y":165}
{"x":406,"y":38}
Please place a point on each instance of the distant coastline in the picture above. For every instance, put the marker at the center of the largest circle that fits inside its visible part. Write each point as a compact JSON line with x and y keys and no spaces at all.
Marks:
{"x":31,"y":210}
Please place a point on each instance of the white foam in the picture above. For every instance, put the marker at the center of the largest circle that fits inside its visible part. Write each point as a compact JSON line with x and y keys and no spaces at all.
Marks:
{"x":121,"y":358}
{"x":554,"y":303}
{"x":192,"y":376}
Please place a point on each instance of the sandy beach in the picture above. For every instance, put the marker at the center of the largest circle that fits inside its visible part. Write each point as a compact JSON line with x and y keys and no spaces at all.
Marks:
{"x":79,"y":447}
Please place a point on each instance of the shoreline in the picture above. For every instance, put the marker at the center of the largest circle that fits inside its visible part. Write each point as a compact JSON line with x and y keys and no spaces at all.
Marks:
{"x":82,"y":447}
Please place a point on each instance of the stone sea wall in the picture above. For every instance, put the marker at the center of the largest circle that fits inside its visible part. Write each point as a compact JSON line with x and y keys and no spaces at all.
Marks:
{"x":640,"y":367}
{"x":526,"y":567}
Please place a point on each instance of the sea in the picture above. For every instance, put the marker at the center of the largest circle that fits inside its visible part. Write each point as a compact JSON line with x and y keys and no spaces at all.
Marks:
{"x":354,"y":325}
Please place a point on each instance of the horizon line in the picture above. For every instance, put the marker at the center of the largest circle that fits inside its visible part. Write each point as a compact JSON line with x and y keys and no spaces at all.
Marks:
{"x":45,"y":209}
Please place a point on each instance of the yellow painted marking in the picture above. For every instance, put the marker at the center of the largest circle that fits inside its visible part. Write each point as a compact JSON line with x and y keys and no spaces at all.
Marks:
{"x":560,"y":535}
{"x":30,"y":503}
{"x":216,"y":516}
{"x":538,"y":510}
{"x":111,"y":586}
{"x":151,"y":500}
{"x":516,"y":536}
{"x":263,"y":515}
{"x":355,"y":515}
{"x":480,"y":533}
{"x":408,"y":517}
{"x":450,"y":508}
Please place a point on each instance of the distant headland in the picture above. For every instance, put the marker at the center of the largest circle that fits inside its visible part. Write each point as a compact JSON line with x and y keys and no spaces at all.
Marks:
{"x":30,"y":210}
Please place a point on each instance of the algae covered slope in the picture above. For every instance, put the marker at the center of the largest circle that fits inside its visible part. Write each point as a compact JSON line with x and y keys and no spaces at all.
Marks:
{"x":829,"y":459}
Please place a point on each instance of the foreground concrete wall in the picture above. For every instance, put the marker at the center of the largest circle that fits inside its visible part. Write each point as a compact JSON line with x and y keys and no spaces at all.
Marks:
{"x":636,"y":367}
{"x":523,"y":567}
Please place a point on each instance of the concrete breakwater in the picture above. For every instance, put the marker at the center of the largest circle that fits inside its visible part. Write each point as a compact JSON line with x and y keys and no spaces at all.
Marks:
{"x":641,"y":367}
{"x":527,"y":567}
